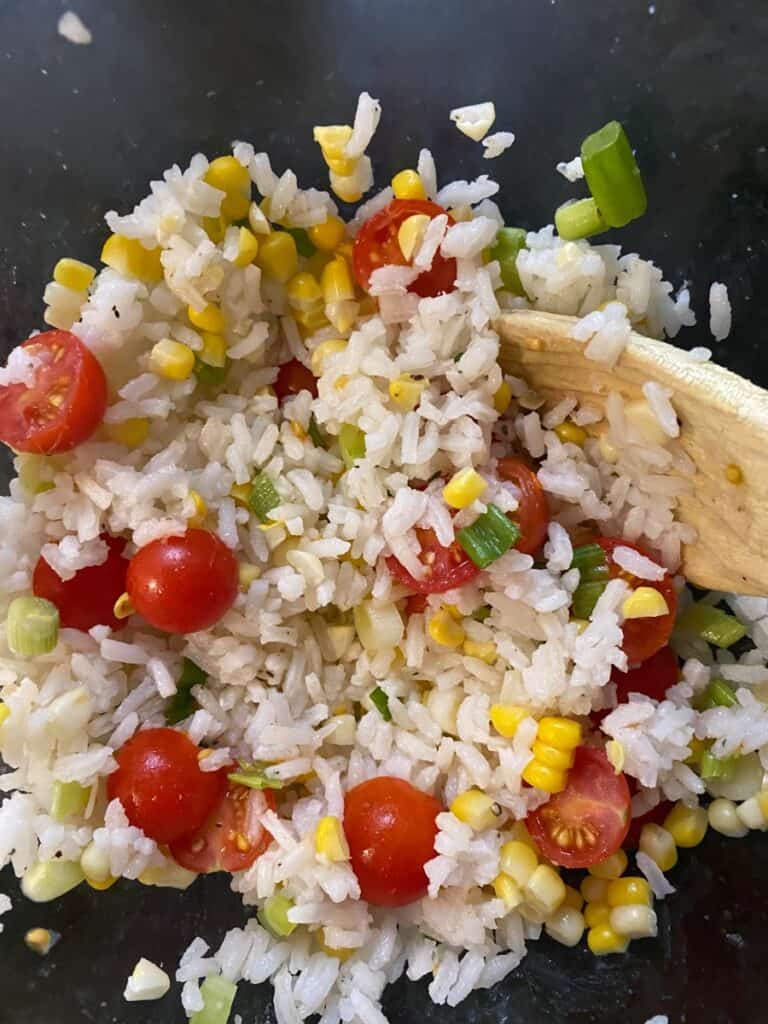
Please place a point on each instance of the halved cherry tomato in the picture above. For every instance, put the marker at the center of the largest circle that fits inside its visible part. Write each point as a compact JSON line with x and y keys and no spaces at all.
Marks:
{"x":232,"y":836}
{"x":65,"y":403}
{"x":183,"y":584}
{"x":390,"y":827}
{"x":416,"y":604}
{"x":532,"y":515}
{"x":652,"y":678}
{"x":293,"y":377}
{"x":589,"y":819}
{"x":377,"y":246}
{"x":446,"y":568}
{"x":88,"y":598}
{"x":642,"y":637}
{"x":159,"y":783}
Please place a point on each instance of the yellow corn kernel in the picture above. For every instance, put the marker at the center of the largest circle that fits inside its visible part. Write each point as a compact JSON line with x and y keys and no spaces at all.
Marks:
{"x":612,"y":867}
{"x":247,"y":248}
{"x":634,"y":922}
{"x":215,"y":228}
{"x":518,"y":860}
{"x":214,"y":351}
{"x":538,"y":775}
{"x":564,"y":733}
{"x":596,"y":914}
{"x":573,"y":898}
{"x":594,"y":890}
{"x":475,"y":809}
{"x":303,"y":292}
{"x":5,"y":713}
{"x":552,"y":757}
{"x":311,"y":321}
{"x":629,"y":890}
{"x":131,"y":433}
{"x":405,"y":392}
{"x":507,"y":890}
{"x":462,"y":213}
{"x":733,"y":473}
{"x":123,"y":607}
{"x":229,"y":176}
{"x":171,"y":360}
{"x":73,"y":274}
{"x":321,"y":353}
{"x":298,"y":431}
{"x":444,"y":629}
{"x":241,"y":493}
{"x":544,"y":890}
{"x":506,"y":718}
{"x":697,"y":748}
{"x":332,"y":139}
{"x":129,"y":257}
{"x":659,"y":845}
{"x":644,"y":603}
{"x":337,"y":281}
{"x":278,"y":257}
{"x":101,"y":886}
{"x":616,"y":754}
{"x":330,"y":841}
{"x":342,"y":314}
{"x":463,"y":488}
{"x":482,"y":651}
{"x":201,"y":509}
{"x":346,"y":187}
{"x":41,"y":940}
{"x":208,"y":319}
{"x":686,"y":825}
{"x":570,"y":433}
{"x":339,"y":953}
{"x":407,"y":184}
{"x":247,"y":573}
{"x":329,"y":235}
{"x":603,"y":940}
{"x":411,"y":232}
{"x":503,"y":398}
{"x":566,"y":926}
{"x":519,"y":833}
{"x":608,"y":449}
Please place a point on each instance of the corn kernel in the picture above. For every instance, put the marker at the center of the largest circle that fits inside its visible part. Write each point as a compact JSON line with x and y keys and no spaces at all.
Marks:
{"x":278,"y":256}
{"x":410,"y":234}
{"x":573,"y":898}
{"x":346,"y":186}
{"x":327,"y":236}
{"x":132,"y":433}
{"x":686,"y":825}
{"x":332,"y":139}
{"x":215,"y":228}
{"x":337,"y":952}
{"x":303,"y":292}
{"x":129,"y":257}
{"x":644,"y":603}
{"x":697,"y":748}
{"x":73,"y":274}
{"x":612,"y":867}
{"x":475,"y":809}
{"x":733,"y":473}
{"x":628,"y":890}
{"x":752,"y":813}
{"x":201,"y":509}
{"x":566,"y":926}
{"x":570,"y":433}
{"x":608,"y":449}
{"x":444,"y":629}
{"x":247,"y":248}
{"x":298,"y":431}
{"x":616,"y":754}
{"x":247,"y":573}
{"x":337,"y":281}
{"x":723,"y":817}
{"x":321,"y":353}
{"x":241,"y":493}
{"x":518,"y":860}
{"x":330,"y":841}
{"x":462,"y":213}
{"x":559,"y":732}
{"x":634,"y":922}
{"x":519,"y":833}
{"x":101,"y":886}
{"x":208,"y":319}
{"x":552,"y":757}
{"x":405,"y":392}
{"x":123,"y":607}
{"x":596,"y":914}
{"x":482,"y":651}
{"x":342,"y":314}
{"x":5,"y":713}
{"x":603,"y":940}
{"x":538,"y":775}
{"x":229,"y":176}
{"x":214,"y":351}
{"x":507,"y":890}
{"x":47,"y":880}
{"x":659,"y":845}
{"x":171,"y":360}
{"x":594,"y":890}
{"x":41,"y":940}
{"x":544,"y":890}
{"x":407,"y":184}
{"x":463,"y":488}
{"x":502,"y":399}
{"x":311,"y":321}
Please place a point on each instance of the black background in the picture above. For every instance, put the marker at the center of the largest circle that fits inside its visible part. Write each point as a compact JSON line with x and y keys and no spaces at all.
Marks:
{"x":83,"y":129}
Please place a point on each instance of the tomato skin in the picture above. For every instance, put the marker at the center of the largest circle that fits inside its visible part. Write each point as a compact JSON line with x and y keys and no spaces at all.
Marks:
{"x":652,"y":677}
{"x":655,"y":816}
{"x":183,"y":584}
{"x":30,"y":422}
{"x":376,"y":246}
{"x":159,"y":783}
{"x":532,"y":515}
{"x":390,"y":827}
{"x":596,"y":801}
{"x":235,"y":817}
{"x":293,"y":377}
{"x":642,"y":637}
{"x":415,"y":604}
{"x":88,"y":598}
{"x":447,"y":568}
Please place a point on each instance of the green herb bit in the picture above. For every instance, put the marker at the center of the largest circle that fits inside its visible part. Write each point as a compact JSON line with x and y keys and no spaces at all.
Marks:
{"x":315,"y":433}
{"x":263,"y":497}
{"x":380,"y":701}
{"x":254,"y":776}
{"x":183,"y":704}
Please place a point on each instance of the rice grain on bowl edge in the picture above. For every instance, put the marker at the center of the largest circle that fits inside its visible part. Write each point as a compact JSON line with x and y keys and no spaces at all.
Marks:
{"x":325,"y":672}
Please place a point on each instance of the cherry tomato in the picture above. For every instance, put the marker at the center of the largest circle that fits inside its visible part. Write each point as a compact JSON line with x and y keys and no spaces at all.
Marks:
{"x":589,"y":819}
{"x":377,"y":246}
{"x":183,"y":584}
{"x":642,"y":637}
{"x":232,"y":836}
{"x":293,"y":377}
{"x":655,"y":816}
{"x":159,"y":783}
{"x":652,"y":677}
{"x":390,"y":827}
{"x":64,"y":404}
{"x":88,"y":598}
{"x":532,"y":514}
{"x":416,"y":604}
{"x":446,"y":568}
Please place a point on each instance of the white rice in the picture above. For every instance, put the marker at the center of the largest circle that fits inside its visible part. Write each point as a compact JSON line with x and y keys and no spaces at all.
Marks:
{"x":719,"y":311}
{"x":71,"y":27}
{"x":496,"y":144}
{"x":573,"y":170}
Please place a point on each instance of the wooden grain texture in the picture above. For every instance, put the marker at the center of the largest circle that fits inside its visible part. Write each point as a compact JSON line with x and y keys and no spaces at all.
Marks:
{"x":723,"y":420}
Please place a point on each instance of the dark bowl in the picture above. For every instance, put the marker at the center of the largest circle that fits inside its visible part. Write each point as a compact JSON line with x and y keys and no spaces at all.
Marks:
{"x":85,"y":128}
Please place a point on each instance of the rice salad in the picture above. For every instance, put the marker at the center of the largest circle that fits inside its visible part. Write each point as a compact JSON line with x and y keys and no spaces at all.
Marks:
{"x":298,"y":584}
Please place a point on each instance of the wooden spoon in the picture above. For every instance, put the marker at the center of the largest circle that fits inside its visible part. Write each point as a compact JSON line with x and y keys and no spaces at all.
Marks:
{"x":723,"y":422}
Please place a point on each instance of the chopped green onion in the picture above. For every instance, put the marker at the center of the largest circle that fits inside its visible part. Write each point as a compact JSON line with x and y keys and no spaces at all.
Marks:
{"x":304,"y":245}
{"x":218,"y":995}
{"x":712,"y":767}
{"x":315,"y":433}
{"x":32,"y":627}
{"x":718,"y":694}
{"x":380,"y":701}
{"x":488,"y":537}
{"x":182,"y":704}
{"x":481,"y":614}
{"x":273,"y":915}
{"x":263,"y":497}
{"x":579,"y":218}
{"x":715,"y":626}
{"x":34,"y":472}
{"x":591,"y":562}
{"x":509,"y":242}
{"x":254,"y":776}
{"x":613,"y":176}
{"x":69,"y":799}
{"x":210,"y":377}
{"x":351,"y":443}
{"x":585,"y":597}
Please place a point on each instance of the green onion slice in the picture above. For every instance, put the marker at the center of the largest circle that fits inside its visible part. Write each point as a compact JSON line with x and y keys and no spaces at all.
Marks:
{"x":69,"y":799}
{"x":585,"y":597}
{"x":481,"y":614}
{"x":263,"y":497}
{"x":315,"y":433}
{"x":182,"y":704}
{"x":218,"y":995}
{"x":718,"y":694}
{"x":32,"y":627}
{"x":712,"y":767}
{"x":273,"y":915}
{"x":489,"y":537}
{"x":351,"y":443}
{"x":715,"y":626}
{"x":613,"y":176}
{"x":579,"y":218}
{"x":254,"y":776}
{"x":210,"y":377}
{"x":591,"y":562}
{"x":380,"y":701}
{"x":304,"y":245}
{"x":508,"y":243}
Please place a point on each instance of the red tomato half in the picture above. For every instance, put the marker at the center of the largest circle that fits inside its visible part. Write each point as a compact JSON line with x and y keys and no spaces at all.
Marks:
{"x":652,"y":678}
{"x":390,"y":827}
{"x":446,"y":568}
{"x":63,"y":406}
{"x":232,"y":836}
{"x":588,"y":820}
{"x":377,"y":246}
{"x":655,"y":816}
{"x":293,"y":377}
{"x":159,"y":783}
{"x":88,"y":598}
{"x":532,"y":514}
{"x":642,"y":637}
{"x":183,"y":584}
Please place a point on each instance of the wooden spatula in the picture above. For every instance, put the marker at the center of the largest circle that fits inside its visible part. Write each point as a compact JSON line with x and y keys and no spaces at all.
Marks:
{"x":723,"y":422}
